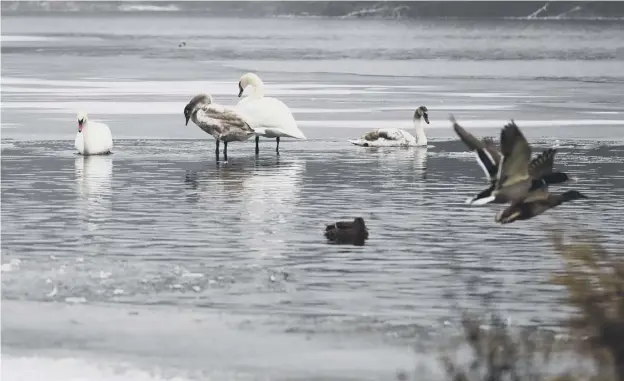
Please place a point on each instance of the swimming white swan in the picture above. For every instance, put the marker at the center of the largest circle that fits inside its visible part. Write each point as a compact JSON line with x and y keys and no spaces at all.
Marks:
{"x":224,"y":124}
{"x":396,"y":137}
{"x":93,"y":138}
{"x":271,"y":118}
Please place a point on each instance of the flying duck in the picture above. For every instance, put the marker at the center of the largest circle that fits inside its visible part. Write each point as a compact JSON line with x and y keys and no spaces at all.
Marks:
{"x":540,"y":169}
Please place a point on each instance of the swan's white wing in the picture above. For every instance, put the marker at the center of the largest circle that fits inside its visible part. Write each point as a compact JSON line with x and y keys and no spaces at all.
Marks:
{"x":104,"y":136}
{"x":386,"y":137}
{"x":269,"y":115}
{"x":381,"y":143}
{"x":95,"y":139}
{"x":220,"y":121}
{"x":396,"y":134}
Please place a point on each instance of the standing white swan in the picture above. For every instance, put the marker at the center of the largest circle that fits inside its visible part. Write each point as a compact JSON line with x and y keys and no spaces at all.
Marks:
{"x":93,"y":138}
{"x":270,"y":117}
{"x":396,"y":137}
{"x":223,"y":124}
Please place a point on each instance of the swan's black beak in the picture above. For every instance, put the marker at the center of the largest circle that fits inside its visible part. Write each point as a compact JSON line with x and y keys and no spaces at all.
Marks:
{"x":240,"y":90}
{"x":426,"y":117}
{"x":187,"y":113}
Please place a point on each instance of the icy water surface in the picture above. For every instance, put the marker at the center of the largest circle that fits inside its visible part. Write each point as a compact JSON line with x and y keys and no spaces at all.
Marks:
{"x":156,"y":258}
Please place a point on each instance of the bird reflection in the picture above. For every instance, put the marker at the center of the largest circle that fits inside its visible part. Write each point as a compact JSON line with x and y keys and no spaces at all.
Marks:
{"x":407,"y":160}
{"x":260,"y":194}
{"x":94,"y":189}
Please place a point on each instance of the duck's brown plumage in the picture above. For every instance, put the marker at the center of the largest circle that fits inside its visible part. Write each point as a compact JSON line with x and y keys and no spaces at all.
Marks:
{"x":347,"y":232}
{"x":513,"y":180}
{"x":536,"y":203}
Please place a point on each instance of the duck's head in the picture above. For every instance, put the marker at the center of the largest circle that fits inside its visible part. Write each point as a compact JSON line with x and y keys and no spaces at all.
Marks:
{"x":82,"y":120}
{"x":197,"y":100}
{"x":249,"y":79}
{"x":359,"y":223}
{"x":422,"y":112}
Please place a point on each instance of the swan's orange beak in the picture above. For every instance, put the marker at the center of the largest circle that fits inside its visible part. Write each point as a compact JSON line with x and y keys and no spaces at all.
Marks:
{"x":80,"y":126}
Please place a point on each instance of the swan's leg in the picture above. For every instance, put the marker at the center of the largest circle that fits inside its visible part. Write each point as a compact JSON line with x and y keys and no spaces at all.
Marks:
{"x":217,"y":150}
{"x":257,"y":141}
{"x":225,"y":151}
{"x":277,"y":147}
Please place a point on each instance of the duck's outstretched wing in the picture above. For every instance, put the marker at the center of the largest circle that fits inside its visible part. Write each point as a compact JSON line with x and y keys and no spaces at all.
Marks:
{"x":542,"y":164}
{"x":514,"y":166}
{"x":488,"y":156}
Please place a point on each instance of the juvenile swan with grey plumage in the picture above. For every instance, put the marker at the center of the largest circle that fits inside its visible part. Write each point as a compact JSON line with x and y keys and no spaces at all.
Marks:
{"x":396,"y":137}
{"x":223,"y":124}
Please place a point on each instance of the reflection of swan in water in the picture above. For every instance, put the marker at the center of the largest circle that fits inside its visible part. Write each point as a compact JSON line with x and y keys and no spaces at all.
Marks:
{"x":262,"y":194}
{"x":271,"y":192}
{"x":94,"y":189}
{"x":271,"y":196}
{"x":406,"y":161}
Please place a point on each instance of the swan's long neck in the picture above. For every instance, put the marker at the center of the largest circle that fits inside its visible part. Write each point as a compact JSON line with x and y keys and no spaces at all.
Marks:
{"x":258,"y":88}
{"x":85,"y":130}
{"x":419,"y":125}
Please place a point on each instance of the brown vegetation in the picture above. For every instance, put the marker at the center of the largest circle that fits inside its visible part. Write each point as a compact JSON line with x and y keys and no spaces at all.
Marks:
{"x":594,"y":279}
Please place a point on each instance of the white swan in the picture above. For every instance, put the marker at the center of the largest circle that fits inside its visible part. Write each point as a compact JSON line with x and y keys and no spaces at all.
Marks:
{"x":224,"y":124}
{"x":271,"y":117}
{"x":396,"y":137}
{"x":93,"y":138}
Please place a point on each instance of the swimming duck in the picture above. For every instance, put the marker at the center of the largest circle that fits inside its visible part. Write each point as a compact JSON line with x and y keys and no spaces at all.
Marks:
{"x":540,"y":168}
{"x":223,"y":124}
{"x":536,"y":203}
{"x":347,"y":232}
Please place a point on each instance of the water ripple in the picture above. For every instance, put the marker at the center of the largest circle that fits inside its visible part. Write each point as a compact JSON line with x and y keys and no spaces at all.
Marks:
{"x":159,"y":223}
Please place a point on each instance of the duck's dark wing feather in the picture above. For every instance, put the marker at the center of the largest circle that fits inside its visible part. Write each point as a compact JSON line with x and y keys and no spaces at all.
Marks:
{"x":487,"y":154}
{"x":338,"y":235}
{"x":516,"y":152}
{"x":344,"y":224}
{"x":347,"y":236}
{"x":542,"y":164}
{"x":486,"y":161}
{"x":340,"y":225}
